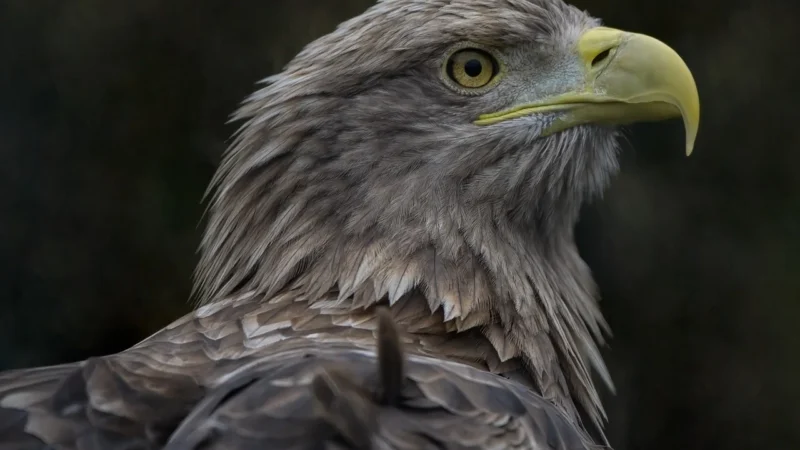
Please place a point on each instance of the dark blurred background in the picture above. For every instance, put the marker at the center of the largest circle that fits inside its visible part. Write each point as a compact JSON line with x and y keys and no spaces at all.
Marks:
{"x":113,"y":118}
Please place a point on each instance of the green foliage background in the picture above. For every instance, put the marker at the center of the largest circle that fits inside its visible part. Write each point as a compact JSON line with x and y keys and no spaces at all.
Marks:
{"x":112,"y":119}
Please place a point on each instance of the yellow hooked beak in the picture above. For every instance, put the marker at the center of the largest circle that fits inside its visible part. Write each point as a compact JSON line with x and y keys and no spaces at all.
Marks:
{"x":629,"y":78}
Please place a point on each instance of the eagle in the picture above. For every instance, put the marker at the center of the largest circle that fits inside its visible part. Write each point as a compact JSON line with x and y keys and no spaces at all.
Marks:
{"x":389,"y":257}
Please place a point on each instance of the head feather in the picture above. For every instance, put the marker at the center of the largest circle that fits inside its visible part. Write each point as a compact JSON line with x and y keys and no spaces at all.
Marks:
{"x":357,"y":172}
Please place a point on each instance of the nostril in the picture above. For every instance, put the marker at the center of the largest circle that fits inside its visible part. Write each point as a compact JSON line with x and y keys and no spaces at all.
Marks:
{"x":601,"y":57}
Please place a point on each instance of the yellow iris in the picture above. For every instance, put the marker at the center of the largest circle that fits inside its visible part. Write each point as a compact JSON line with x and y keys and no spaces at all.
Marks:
{"x":471,"y":68}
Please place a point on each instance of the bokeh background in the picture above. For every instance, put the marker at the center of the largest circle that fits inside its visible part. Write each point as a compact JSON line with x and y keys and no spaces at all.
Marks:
{"x":113,"y":118}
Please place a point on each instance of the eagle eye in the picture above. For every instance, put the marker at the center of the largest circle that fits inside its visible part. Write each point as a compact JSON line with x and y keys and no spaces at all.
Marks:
{"x":471,"y":68}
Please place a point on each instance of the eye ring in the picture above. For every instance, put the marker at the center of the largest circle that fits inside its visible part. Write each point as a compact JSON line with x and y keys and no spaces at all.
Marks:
{"x":471,"y":70}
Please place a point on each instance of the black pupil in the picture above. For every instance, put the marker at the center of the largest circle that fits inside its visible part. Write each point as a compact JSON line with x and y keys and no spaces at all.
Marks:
{"x":473,"y":68}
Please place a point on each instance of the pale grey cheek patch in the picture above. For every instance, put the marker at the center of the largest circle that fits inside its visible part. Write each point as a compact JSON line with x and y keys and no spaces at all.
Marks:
{"x":534,"y":78}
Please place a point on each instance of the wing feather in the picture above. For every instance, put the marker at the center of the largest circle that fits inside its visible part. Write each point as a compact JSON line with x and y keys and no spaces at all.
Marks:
{"x":333,"y":395}
{"x":189,"y":388}
{"x":97,"y":404}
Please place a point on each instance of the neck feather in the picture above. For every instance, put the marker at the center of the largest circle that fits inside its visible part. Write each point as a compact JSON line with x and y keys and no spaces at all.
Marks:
{"x":516,"y":281}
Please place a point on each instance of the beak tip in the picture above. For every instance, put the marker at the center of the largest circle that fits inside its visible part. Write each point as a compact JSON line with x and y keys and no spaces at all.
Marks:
{"x":691,"y":126}
{"x":691,"y":136}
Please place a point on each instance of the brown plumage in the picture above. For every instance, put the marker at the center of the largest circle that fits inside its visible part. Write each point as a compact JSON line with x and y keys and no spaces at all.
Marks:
{"x":389,"y":258}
